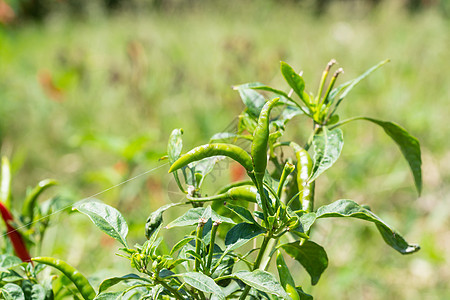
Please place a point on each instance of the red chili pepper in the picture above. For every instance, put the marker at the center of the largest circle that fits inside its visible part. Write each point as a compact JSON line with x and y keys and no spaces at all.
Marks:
{"x":14,"y":235}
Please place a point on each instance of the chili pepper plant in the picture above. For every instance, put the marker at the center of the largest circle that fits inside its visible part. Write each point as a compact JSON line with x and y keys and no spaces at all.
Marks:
{"x":245,"y":227}
{"x":274,"y":207}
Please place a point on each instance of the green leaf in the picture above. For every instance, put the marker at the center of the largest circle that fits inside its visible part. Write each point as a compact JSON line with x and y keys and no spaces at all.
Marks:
{"x":209,"y":213}
{"x":310,"y":255}
{"x":38,"y":292}
{"x":175,"y":145}
{"x":242,"y":212}
{"x":109,"y":296}
{"x":262,"y":281}
{"x":203,"y":283}
{"x":289,"y":112}
{"x":180,"y":244}
{"x":302,"y":294}
{"x":174,"y":148}
{"x":155,"y":220}
{"x":11,"y":291}
{"x":107,"y":283}
{"x":253,"y":100}
{"x":349,"y":208}
{"x":9,"y":261}
{"x":284,"y":97}
{"x":349,"y":85}
{"x":260,"y":86}
{"x":409,"y":146}
{"x":223,"y":137}
{"x":191,"y":217}
{"x":307,"y":220}
{"x":246,"y":123}
{"x":295,"y":81}
{"x":327,"y":149}
{"x":31,"y":199}
{"x":106,"y":218}
{"x":204,"y":167}
{"x":241,"y":234}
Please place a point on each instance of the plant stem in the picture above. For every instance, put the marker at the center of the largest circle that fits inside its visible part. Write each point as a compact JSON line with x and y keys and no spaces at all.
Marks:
{"x":201,"y":224}
{"x":271,"y":245}
{"x":345,"y":122}
{"x":264,"y":200}
{"x":211,"y":245}
{"x":264,"y":244}
{"x":175,"y":292}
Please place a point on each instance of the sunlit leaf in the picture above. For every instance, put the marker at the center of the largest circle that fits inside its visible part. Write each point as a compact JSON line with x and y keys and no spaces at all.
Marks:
{"x":106,"y":218}
{"x":295,"y":81}
{"x":107,"y":283}
{"x":203,"y":283}
{"x":349,"y":208}
{"x":262,"y":281}
{"x":346,"y":87}
{"x":174,"y":148}
{"x":193,"y":215}
{"x":11,"y":291}
{"x":253,"y":100}
{"x":109,"y":296}
{"x":38,"y":292}
{"x":327,"y":149}
{"x":175,"y":145}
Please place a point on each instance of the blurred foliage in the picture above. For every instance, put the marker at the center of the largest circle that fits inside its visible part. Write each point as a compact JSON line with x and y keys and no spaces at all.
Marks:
{"x":39,"y":10}
{"x":91,"y":99}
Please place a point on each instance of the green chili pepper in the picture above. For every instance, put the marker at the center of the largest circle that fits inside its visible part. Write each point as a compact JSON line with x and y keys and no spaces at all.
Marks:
{"x":286,"y":279}
{"x":291,"y":291}
{"x":261,"y":138}
{"x":80,"y":282}
{"x":288,"y":169}
{"x":30,"y":201}
{"x":225,"y":188}
{"x":244,"y":192}
{"x":259,"y":152}
{"x":208,"y":150}
{"x":304,"y":169}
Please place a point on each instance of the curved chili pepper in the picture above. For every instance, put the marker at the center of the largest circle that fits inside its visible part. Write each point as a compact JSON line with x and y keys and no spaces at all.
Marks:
{"x":259,"y":152}
{"x":208,"y":150}
{"x":30,"y":200}
{"x":261,"y":138}
{"x":286,"y":280}
{"x":80,"y":282}
{"x":304,"y":169}
{"x":225,"y":188}
{"x":244,"y":192}
{"x":14,"y":236}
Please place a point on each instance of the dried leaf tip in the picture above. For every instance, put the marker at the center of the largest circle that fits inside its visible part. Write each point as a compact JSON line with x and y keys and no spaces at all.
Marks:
{"x":330,"y":64}
{"x":339,"y":71}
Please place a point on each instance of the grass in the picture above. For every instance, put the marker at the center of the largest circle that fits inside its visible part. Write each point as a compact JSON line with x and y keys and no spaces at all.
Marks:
{"x":92,"y":102}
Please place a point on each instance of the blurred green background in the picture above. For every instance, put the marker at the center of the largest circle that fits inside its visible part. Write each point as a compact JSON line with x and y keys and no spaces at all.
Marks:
{"x":90,"y":91}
